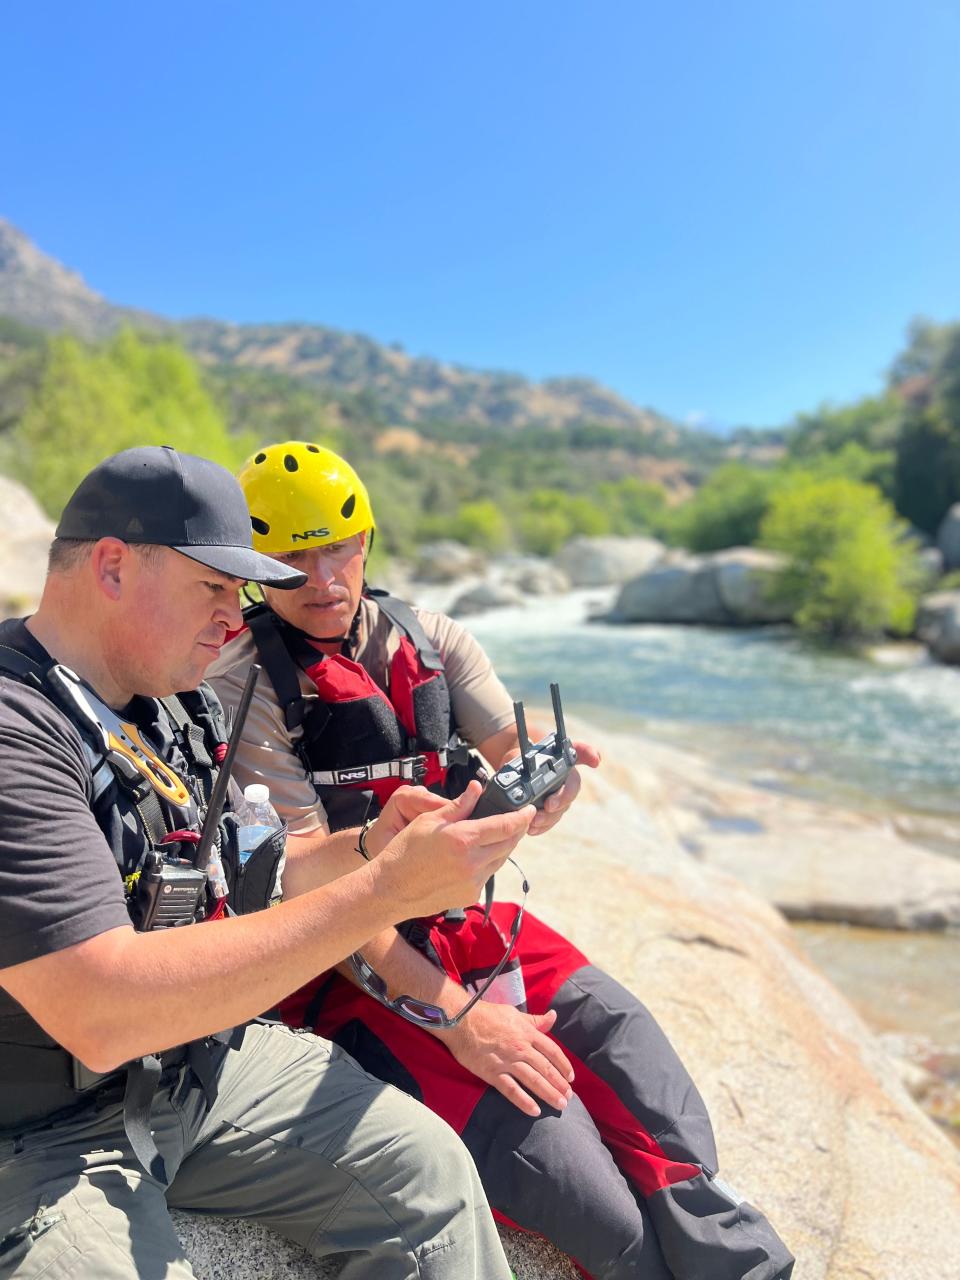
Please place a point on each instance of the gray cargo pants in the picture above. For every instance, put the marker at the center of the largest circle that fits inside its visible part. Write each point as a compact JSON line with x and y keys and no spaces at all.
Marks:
{"x":298,"y":1138}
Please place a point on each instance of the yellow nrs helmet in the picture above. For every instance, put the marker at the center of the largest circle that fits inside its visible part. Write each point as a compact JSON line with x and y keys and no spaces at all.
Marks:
{"x":301,"y":495}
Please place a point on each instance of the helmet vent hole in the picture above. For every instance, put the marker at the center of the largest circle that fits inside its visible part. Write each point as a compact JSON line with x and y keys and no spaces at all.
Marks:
{"x":261,"y":457}
{"x":290,"y":462}
{"x":260,"y":526}
{"x":347,"y":509}
{"x":312,"y":448}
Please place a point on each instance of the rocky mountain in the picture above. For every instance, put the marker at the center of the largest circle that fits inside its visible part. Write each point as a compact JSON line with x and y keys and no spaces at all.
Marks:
{"x":37,"y":290}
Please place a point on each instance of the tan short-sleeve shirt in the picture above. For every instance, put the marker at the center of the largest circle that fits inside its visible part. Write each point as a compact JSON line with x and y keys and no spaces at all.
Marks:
{"x":481,"y":705}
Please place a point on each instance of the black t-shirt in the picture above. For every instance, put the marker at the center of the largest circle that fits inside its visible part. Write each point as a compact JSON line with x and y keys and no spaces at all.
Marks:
{"x":59,"y":880}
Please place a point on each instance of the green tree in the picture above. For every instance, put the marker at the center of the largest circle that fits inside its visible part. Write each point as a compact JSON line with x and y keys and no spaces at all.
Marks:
{"x":927,"y":479}
{"x":634,"y":505}
{"x":91,"y":402}
{"x":482,"y":525}
{"x":873,"y":423}
{"x":728,"y":509}
{"x":543,"y":532}
{"x":849,"y":571}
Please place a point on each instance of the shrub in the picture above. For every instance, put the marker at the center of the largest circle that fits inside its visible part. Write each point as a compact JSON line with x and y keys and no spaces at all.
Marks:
{"x":849,"y":573}
{"x":727,"y":510}
{"x":544,"y":532}
{"x":482,"y":525}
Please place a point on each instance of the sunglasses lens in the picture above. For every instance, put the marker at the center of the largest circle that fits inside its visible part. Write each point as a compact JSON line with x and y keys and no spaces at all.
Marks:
{"x":426,"y":1013}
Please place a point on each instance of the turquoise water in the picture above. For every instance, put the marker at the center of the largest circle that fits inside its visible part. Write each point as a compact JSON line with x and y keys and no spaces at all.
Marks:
{"x":763,"y":702}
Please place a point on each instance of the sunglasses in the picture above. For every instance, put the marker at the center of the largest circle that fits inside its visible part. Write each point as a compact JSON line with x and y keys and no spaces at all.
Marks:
{"x":420,"y":1012}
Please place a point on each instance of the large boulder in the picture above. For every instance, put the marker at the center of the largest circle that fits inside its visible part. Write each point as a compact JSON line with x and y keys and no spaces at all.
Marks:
{"x":743,"y":576}
{"x":25,"y":537}
{"x":938,"y":624}
{"x":812,"y":1118}
{"x":485,"y":595}
{"x":446,"y":561}
{"x":948,"y":538}
{"x":533,"y":575}
{"x":724,"y":588}
{"x":812,"y":862}
{"x":595,"y":562}
{"x":682,"y":591}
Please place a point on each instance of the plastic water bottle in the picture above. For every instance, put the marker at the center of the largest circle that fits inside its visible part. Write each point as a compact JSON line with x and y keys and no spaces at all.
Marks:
{"x":258,"y":819}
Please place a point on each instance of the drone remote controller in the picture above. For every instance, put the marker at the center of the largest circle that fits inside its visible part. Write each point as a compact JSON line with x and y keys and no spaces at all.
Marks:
{"x":539,"y":770}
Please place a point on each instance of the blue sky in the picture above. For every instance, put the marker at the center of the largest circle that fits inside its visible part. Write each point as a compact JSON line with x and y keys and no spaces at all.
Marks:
{"x":722,"y":210}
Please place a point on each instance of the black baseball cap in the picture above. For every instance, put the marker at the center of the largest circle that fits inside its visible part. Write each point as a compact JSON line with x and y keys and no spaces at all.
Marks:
{"x":158,"y":496}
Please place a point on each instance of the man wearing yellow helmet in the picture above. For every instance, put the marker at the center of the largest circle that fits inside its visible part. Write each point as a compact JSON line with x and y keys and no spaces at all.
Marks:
{"x":360,"y":695}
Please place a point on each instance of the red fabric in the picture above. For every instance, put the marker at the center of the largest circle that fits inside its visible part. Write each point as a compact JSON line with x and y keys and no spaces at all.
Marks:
{"x":338,"y":679}
{"x":546,"y":960}
{"x":642,"y":1160}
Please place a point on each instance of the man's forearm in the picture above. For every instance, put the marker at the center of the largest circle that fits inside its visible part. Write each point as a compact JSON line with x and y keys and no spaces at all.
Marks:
{"x":407,"y":971}
{"x":317,"y":859}
{"x":144,"y":992}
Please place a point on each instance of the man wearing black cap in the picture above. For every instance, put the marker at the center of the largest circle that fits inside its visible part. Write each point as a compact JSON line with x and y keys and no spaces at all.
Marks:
{"x":120,"y":1091}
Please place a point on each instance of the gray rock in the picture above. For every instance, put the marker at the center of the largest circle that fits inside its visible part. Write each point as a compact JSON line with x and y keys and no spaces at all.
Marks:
{"x":743,"y":577}
{"x":685,"y":591}
{"x":237,"y":1249}
{"x":25,"y":537}
{"x":594,"y":562}
{"x":812,"y":1119}
{"x":948,"y":538}
{"x":930,"y":564}
{"x":485,"y":595}
{"x":938,"y":625}
{"x":533,"y":575}
{"x":446,"y":561}
{"x":724,"y":588}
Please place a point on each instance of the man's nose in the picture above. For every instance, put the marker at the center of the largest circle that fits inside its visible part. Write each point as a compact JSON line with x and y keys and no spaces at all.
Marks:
{"x":230,"y":612}
{"x":321,"y":572}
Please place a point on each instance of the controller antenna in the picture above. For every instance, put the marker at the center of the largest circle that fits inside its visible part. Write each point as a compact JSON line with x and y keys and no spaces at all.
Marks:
{"x":526,"y":746}
{"x":558,"y":714}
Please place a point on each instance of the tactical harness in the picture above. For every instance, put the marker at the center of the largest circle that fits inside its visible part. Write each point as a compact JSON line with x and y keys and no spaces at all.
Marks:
{"x":141,"y":804}
{"x":357,"y":743}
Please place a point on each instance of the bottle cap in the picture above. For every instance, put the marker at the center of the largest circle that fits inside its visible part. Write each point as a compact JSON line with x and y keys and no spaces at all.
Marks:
{"x":256,"y":793}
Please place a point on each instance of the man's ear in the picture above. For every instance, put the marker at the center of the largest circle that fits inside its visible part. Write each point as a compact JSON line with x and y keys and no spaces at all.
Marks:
{"x":108,"y":561}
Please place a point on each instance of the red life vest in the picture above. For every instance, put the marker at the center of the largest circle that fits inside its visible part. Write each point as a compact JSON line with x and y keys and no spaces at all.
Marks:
{"x":359,"y":743}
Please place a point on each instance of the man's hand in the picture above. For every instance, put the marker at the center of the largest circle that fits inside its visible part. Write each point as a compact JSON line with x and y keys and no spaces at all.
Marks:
{"x":442,"y":858}
{"x":403,"y":806}
{"x":555,"y":806}
{"x":511,"y":1051}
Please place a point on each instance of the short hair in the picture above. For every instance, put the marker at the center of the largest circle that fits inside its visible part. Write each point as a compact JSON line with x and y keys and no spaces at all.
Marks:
{"x":69,"y":553}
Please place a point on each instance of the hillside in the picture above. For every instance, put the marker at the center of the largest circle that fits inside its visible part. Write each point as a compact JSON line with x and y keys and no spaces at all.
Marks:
{"x":37,"y":290}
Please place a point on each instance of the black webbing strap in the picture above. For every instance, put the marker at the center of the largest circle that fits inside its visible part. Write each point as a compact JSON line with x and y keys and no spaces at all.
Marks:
{"x":143,"y":1077}
{"x":279,"y":665}
{"x":151,"y":815}
{"x":194,"y":735}
{"x":18,"y":664}
{"x":404,"y":619}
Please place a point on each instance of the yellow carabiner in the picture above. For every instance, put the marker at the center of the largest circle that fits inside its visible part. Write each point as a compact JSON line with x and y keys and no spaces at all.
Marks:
{"x":160,"y":776}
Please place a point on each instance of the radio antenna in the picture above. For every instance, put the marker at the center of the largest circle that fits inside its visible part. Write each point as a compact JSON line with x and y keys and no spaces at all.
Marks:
{"x":211,"y":820}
